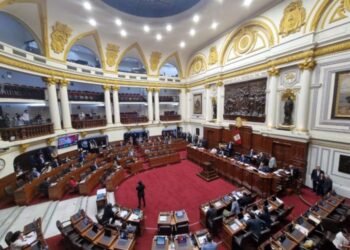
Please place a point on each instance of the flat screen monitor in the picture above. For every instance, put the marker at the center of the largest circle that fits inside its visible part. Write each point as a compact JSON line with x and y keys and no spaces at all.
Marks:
{"x":67,"y":141}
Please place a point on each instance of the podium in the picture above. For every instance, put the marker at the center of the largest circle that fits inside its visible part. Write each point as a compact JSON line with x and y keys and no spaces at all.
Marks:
{"x":208,"y":173}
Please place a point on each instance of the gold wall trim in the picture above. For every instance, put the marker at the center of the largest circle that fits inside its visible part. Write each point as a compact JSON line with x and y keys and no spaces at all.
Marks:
{"x":140,"y":51}
{"x":319,"y":13}
{"x":329,"y":144}
{"x":178,"y":62}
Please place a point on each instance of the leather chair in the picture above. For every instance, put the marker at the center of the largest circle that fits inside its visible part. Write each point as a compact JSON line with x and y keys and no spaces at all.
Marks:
{"x":164,"y":230}
{"x":65,"y":230}
{"x":274,"y":226}
{"x":8,"y":238}
{"x":9,"y":190}
{"x":333,"y":226}
{"x":264,"y":235}
{"x":242,"y":241}
{"x":217,"y":225}
{"x":182,"y":229}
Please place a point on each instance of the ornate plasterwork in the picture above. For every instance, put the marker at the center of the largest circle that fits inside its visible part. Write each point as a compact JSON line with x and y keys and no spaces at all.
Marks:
{"x":290,"y":78}
{"x":289,"y":93}
{"x":198,"y":65}
{"x":213,"y":56}
{"x":245,"y":41}
{"x":346,"y":4}
{"x":59,"y":37}
{"x":155,"y":59}
{"x":112,"y":51}
{"x":293,"y":18}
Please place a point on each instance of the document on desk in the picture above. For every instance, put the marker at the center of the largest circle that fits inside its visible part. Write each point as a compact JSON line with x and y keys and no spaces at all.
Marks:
{"x":302,"y":229}
{"x":279,"y":200}
{"x":163,"y":218}
{"x":123,"y":213}
{"x":218,"y":204}
{"x":238,"y":222}
{"x":234,"y":227}
{"x":30,"y":238}
{"x":133,"y":217}
{"x":314,"y":219}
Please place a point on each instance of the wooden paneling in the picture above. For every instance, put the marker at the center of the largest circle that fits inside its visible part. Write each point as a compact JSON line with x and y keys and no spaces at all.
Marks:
{"x":7,"y":181}
{"x":213,"y":136}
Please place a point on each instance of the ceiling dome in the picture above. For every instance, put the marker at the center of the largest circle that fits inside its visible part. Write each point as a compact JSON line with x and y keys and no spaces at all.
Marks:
{"x":152,"y":8}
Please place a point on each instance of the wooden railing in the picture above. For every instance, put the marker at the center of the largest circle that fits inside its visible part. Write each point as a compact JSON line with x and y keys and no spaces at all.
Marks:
{"x":25,"y":132}
{"x":21,"y":91}
{"x":79,"y":124}
{"x":170,"y":118}
{"x":129,"y":120}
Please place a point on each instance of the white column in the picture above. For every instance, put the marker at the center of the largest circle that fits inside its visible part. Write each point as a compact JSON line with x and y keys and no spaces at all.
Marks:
{"x":208,"y":107}
{"x":107,"y":93}
{"x":53,"y":103}
{"x":116,"y":104}
{"x":304,"y":95}
{"x":272,"y":101}
{"x":150,"y":104}
{"x":156,"y":105}
{"x":183,"y":104}
{"x":220,"y":102}
{"x":188,"y":105}
{"x":67,"y":121}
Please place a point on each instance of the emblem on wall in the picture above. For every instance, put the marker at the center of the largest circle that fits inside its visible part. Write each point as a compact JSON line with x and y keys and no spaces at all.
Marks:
{"x":59,"y":37}
{"x":213,"y":56}
{"x":197,"y":65}
{"x":112,"y":51}
{"x":293,"y":18}
{"x":245,"y":41}
{"x":155,"y":58}
{"x":290,"y":78}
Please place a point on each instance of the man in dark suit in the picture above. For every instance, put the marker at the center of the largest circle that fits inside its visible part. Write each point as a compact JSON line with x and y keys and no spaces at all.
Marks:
{"x":141,"y":193}
{"x":229,"y":149}
{"x":265,"y":216}
{"x":255,"y":225}
{"x":245,"y":200}
{"x":108,"y":214}
{"x":211,"y":214}
{"x":327,"y":185}
{"x":315,"y":176}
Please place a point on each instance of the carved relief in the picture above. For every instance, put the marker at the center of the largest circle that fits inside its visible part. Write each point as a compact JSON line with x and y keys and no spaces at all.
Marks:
{"x":245,"y":41}
{"x":59,"y":37}
{"x":246,"y":100}
{"x":112,"y":51}
{"x":346,"y":4}
{"x":213,"y":56}
{"x":293,"y":18}
{"x":290,"y":78}
{"x":197,"y":65}
{"x":155,"y":58}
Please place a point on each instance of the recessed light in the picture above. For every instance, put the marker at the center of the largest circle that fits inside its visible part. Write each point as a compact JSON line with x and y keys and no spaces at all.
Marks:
{"x":123,"y":33}
{"x":92,"y":22}
{"x":159,"y":37}
{"x":87,"y":5}
{"x":169,"y":27}
{"x":247,"y":3}
{"x":214,"y":25}
{"x":192,"y":32}
{"x":182,"y":44}
{"x":118,"y":22}
{"x":146,"y":28}
{"x":195,"y":18}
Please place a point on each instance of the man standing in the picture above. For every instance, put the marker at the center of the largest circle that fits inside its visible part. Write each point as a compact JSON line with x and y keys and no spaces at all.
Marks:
{"x":315,"y":176}
{"x":141,"y":193}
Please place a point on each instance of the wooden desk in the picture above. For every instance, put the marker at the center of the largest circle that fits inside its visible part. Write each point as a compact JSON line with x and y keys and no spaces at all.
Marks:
{"x":135,"y":167}
{"x":36,"y":227}
{"x":164,"y":246}
{"x":201,"y":237}
{"x":83,"y":225}
{"x":180,"y":219}
{"x":164,"y":160}
{"x":183,"y":242}
{"x":115,"y":179}
{"x":92,"y":235}
{"x":90,"y":182}
{"x":295,"y":235}
{"x":138,"y":220}
{"x":165,"y":218}
{"x":106,"y":241}
{"x":124,"y":244}
{"x":231,"y":228}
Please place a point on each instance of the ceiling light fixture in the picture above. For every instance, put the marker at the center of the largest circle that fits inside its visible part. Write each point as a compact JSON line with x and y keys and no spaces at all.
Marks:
{"x":182,"y":44}
{"x":214,"y":25}
{"x":87,"y":5}
{"x":146,"y":28}
{"x":195,"y":18}
{"x":192,"y":32}
{"x":123,"y":33}
{"x":169,"y":27}
{"x":92,"y":22}
{"x":159,"y":37}
{"x":247,"y":3}
{"x":118,"y":22}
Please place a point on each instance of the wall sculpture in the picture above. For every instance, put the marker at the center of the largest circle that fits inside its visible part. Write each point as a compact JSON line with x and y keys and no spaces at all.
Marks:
{"x":246,"y":100}
{"x":112,"y":51}
{"x":59,"y":37}
{"x":155,"y":58}
{"x":293,"y":18}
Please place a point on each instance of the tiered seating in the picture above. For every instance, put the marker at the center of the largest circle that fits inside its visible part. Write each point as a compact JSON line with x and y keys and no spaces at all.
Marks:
{"x":132,"y":117}
{"x":129,"y":97}
{"x":170,"y":116}
{"x":8,"y":90}
{"x":168,"y":98}
{"x":87,"y":96}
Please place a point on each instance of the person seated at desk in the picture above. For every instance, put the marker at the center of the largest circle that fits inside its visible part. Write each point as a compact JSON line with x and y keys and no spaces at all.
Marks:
{"x":260,"y":158}
{"x":264,"y":168}
{"x":41,"y":161}
{"x":108,"y":214}
{"x":213,"y":151}
{"x":73,"y":184}
{"x":131,"y":153}
{"x":265,"y":216}
{"x":115,"y":165}
{"x":327,"y":185}
{"x":35,"y":173}
{"x":255,"y":225}
{"x":200,"y":143}
{"x":211,"y":214}
{"x":55,"y":163}
{"x":243,"y":159}
{"x":272,"y":163}
{"x":341,"y":240}
{"x":81,"y":156}
{"x":209,"y":244}
{"x":72,"y":168}
{"x":18,"y":240}
{"x":251,"y":153}
{"x":235,"y":208}
{"x":294,"y":173}
{"x":229,"y":149}
{"x":220,"y":152}
{"x":94,"y":166}
{"x":245,"y":200}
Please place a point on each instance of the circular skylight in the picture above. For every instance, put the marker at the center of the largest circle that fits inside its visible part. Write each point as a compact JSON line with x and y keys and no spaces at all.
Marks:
{"x":152,"y":8}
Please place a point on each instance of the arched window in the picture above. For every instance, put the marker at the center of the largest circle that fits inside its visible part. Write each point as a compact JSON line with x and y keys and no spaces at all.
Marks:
{"x":83,"y":55}
{"x":132,"y":65}
{"x":15,"y":33}
{"x":169,"y":69}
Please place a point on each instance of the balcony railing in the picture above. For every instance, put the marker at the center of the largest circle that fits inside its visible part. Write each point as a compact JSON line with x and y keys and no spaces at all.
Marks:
{"x":87,"y":96}
{"x":166,"y":118}
{"x":130,"y":120}
{"x":26,"y":132}
{"x":21,"y":91}
{"x":80,"y":124}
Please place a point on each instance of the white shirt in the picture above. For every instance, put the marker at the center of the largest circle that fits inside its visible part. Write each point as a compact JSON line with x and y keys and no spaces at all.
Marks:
{"x":27,"y":240}
{"x":340,"y":240}
{"x":25,"y":117}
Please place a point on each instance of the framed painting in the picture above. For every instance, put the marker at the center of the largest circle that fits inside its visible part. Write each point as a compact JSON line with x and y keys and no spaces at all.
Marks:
{"x":344,"y":164}
{"x":197,"y":104}
{"x":341,"y":100}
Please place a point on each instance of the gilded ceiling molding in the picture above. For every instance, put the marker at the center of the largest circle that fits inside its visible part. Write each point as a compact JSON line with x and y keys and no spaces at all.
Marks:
{"x":338,"y":15}
{"x":346,"y":4}
{"x":178,"y":64}
{"x":250,"y":25}
{"x":318,"y":15}
{"x":293,"y":18}
{"x":59,"y":37}
{"x":197,"y":65}
{"x":112,"y":51}
{"x":155,"y":59}
{"x":213,"y":56}
{"x":94,"y":34}
{"x":140,"y":52}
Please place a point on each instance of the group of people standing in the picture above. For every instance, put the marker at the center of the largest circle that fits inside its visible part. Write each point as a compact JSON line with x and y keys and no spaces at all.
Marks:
{"x":321,"y":183}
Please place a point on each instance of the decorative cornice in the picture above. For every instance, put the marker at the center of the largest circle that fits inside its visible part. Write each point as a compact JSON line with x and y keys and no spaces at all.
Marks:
{"x":106,"y":87}
{"x":63,"y":83}
{"x":149,"y":89}
{"x":308,"y":64}
{"x":115,"y":88}
{"x":188,"y":90}
{"x":273,"y":72}
{"x":50,"y":81}
{"x":23,"y":147}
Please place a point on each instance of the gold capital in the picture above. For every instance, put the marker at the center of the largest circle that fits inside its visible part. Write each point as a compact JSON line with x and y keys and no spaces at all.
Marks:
{"x":273,"y":72}
{"x":219,"y":84}
{"x":49,"y":81}
{"x":149,"y":89}
{"x":23,"y":147}
{"x":156,"y":89}
{"x":115,"y":88}
{"x":188,"y":90}
{"x":207,"y":86}
{"x":308,"y":64}
{"x":49,"y":141}
{"x":106,"y":87}
{"x":64,"y":83}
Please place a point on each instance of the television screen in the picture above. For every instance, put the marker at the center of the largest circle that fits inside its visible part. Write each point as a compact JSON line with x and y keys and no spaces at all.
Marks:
{"x":67,"y":141}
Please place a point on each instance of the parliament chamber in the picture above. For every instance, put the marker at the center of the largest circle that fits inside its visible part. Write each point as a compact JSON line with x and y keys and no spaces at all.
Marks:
{"x":175,"y":125}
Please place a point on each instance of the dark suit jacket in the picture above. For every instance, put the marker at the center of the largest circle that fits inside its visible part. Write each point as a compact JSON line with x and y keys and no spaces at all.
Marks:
{"x":294,"y":173}
{"x":327,"y":185}
{"x":314,"y":175}
{"x":265,"y":216}
{"x":107,"y":214}
{"x":211,"y":213}
{"x":255,"y":226}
